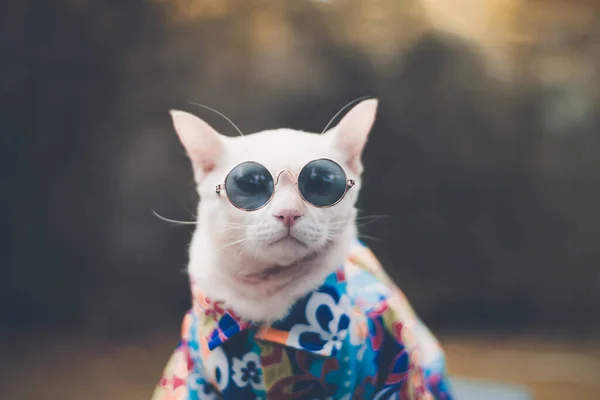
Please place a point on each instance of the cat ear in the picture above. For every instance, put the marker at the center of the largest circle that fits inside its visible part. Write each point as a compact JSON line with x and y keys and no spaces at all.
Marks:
{"x":350,"y":135}
{"x":202,"y":143}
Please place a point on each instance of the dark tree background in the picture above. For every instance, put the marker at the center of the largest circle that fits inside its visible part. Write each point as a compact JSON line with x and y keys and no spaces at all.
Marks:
{"x":489,"y":186}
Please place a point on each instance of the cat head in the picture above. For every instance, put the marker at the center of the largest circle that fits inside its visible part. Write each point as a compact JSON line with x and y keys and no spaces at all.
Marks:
{"x":261,"y":250}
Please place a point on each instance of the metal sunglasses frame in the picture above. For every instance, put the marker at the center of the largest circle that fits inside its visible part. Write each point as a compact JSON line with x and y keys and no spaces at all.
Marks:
{"x":349,"y":184}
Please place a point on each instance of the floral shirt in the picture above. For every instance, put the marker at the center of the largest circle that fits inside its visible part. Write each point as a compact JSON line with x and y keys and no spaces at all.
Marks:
{"x":355,"y":337}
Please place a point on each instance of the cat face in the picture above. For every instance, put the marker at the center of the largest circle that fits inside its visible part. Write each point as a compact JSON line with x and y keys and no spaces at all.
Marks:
{"x":264,"y":247}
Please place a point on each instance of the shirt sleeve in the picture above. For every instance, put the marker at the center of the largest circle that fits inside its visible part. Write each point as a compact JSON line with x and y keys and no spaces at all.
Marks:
{"x":173,"y":383}
{"x":410,"y":362}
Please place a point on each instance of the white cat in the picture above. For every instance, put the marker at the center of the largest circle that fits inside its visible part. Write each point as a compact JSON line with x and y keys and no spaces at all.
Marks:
{"x":260,"y":262}
{"x":286,"y":302}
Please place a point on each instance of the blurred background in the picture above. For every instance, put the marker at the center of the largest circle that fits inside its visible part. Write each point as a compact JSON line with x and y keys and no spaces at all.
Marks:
{"x":482,"y":167}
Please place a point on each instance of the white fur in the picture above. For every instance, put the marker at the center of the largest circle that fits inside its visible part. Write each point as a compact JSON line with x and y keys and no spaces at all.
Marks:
{"x":229,"y":242}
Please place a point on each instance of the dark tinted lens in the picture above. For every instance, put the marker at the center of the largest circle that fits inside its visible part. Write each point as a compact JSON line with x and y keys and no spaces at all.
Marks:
{"x":249,"y":186}
{"x":322,"y":182}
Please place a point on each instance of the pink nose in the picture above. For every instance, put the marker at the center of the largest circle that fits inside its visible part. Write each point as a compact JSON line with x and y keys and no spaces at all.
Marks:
{"x":288,"y":216}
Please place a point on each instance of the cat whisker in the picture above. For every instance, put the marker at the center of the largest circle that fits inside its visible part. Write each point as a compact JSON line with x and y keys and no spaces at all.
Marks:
{"x":238,"y":243}
{"x":368,"y":237}
{"x":371,"y":217}
{"x":364,"y":224}
{"x":233,"y":223}
{"x":230,"y":227}
{"x":173,"y":221}
{"x":221,"y":114}
{"x":191,"y":212}
{"x":319,"y":250}
{"x":365,"y":220}
{"x":244,"y":247}
{"x":342,"y":110}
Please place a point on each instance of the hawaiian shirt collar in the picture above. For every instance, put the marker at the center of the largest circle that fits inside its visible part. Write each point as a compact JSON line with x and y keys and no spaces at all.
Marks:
{"x":216,"y":324}
{"x":317,"y":323}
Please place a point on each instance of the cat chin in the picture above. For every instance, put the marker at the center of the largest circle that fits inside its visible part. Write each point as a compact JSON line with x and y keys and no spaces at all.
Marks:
{"x":270,"y":299}
{"x":273,"y":301}
{"x":290,"y":252}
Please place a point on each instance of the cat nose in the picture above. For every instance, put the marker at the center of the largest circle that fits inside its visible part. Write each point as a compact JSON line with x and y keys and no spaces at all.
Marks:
{"x":288,"y":216}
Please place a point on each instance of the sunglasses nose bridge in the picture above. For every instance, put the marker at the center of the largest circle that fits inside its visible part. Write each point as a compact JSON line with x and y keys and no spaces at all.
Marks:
{"x":287,"y":172}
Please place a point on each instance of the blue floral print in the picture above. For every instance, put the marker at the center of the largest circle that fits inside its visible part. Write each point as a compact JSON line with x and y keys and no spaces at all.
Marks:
{"x":355,"y":337}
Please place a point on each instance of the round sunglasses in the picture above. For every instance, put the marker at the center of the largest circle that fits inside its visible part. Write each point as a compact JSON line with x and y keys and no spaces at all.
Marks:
{"x":321,"y":183}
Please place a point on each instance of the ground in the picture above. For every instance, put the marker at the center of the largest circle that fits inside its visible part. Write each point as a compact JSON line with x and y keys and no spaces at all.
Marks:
{"x":94,"y":369}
